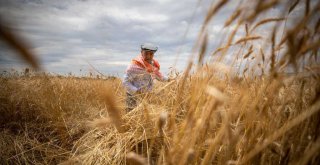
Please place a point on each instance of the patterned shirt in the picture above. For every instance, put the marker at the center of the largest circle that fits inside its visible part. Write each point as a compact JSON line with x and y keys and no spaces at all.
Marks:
{"x":140,"y":74}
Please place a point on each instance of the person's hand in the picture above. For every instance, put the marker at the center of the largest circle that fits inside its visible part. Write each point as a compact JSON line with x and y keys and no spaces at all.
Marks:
{"x":140,"y":91}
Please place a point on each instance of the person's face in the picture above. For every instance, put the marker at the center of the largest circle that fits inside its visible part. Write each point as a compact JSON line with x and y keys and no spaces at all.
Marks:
{"x":147,"y":55}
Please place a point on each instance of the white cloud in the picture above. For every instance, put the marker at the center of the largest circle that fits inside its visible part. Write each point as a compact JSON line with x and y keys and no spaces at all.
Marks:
{"x":132,"y":15}
{"x":118,"y":63}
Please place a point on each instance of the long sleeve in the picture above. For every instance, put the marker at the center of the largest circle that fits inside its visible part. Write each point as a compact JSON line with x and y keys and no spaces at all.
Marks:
{"x":127,"y":82}
{"x":138,"y":77}
{"x":160,"y":77}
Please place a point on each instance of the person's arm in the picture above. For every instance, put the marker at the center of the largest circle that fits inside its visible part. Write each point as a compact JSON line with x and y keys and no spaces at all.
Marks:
{"x":160,"y":77}
{"x":127,"y":82}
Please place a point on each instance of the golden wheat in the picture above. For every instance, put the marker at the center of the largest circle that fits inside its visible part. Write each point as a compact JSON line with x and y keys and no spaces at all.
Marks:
{"x":215,"y":114}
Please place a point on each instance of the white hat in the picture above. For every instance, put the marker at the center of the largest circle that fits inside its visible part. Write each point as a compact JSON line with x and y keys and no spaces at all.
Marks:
{"x":149,"y":46}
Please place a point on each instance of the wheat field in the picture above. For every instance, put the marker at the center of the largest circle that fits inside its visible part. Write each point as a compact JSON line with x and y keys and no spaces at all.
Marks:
{"x":260,"y":107}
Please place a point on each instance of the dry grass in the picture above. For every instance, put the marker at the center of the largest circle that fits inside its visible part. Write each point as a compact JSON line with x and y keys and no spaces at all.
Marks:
{"x":213,"y":115}
{"x":51,"y":120}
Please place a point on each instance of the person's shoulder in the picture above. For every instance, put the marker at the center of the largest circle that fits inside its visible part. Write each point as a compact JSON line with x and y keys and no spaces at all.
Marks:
{"x":134,"y":68}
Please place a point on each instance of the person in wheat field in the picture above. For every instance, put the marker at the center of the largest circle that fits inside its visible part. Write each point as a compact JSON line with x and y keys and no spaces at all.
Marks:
{"x":140,"y":74}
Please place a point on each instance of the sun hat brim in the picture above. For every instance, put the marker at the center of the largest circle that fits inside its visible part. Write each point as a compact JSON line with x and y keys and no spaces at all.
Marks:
{"x":149,"y":47}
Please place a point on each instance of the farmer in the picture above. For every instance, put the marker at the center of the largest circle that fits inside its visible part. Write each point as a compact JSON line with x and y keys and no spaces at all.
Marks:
{"x":140,"y":74}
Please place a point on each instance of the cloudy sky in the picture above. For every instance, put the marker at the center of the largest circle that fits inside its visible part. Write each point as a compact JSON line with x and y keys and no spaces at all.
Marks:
{"x":70,"y":35}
